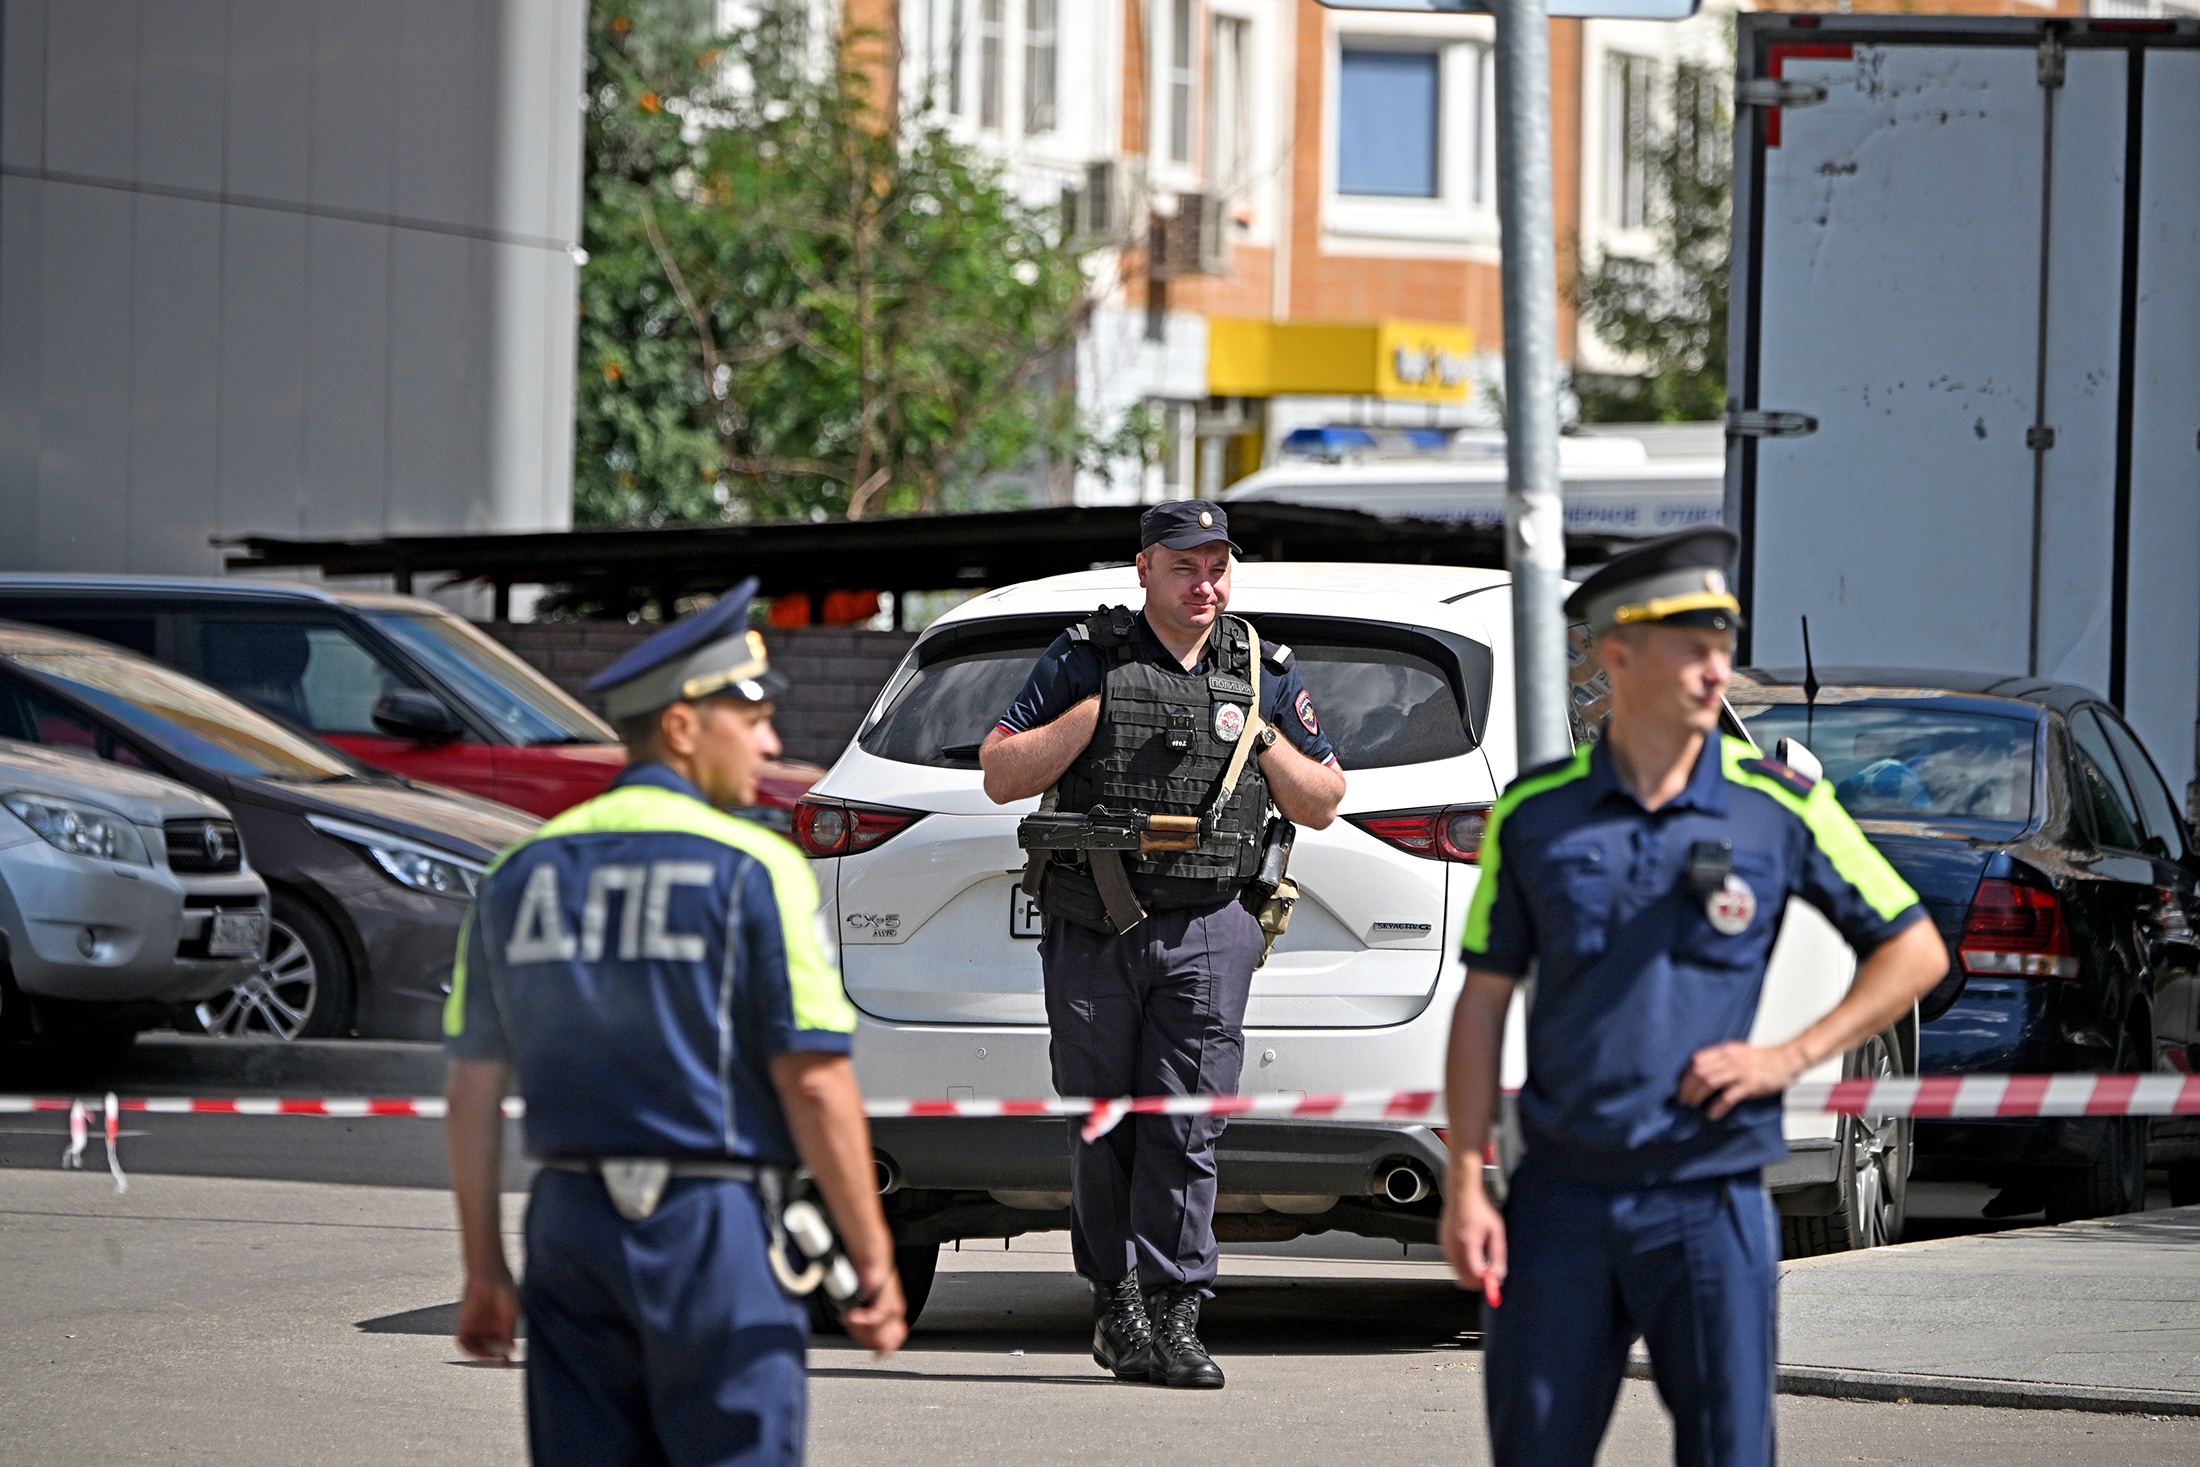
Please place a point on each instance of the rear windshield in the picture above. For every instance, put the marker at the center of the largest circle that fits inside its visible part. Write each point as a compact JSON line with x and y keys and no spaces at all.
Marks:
{"x":1379,"y":706}
{"x":1910,"y":763}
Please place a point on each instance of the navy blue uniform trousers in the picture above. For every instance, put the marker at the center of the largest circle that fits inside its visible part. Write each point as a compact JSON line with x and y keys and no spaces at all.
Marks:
{"x":1691,"y":1267}
{"x":1159,"y":1010}
{"x":664,"y":1341}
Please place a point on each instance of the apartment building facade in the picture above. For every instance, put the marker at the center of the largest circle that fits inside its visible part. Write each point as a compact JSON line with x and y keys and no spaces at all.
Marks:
{"x":1292,"y":210}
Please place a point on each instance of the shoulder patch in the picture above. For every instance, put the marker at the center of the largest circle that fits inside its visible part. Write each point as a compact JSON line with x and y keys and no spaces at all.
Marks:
{"x":1793,"y":781}
{"x":1277,"y":655}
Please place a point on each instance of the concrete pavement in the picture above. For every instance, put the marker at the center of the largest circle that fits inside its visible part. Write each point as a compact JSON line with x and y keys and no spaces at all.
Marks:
{"x":262,"y":1322}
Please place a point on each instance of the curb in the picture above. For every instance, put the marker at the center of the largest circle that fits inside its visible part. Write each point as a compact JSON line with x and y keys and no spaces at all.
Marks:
{"x":1959,"y":1390}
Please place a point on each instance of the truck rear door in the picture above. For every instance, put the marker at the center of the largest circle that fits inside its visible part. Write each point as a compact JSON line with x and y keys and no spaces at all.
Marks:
{"x":1968,"y":268}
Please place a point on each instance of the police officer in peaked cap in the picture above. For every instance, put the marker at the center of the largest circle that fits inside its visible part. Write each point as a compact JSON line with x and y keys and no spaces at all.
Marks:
{"x":1642,"y":883}
{"x":650,"y":970}
{"x":1155,"y":713}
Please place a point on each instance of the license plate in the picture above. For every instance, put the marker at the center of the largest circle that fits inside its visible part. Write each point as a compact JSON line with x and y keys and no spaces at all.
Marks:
{"x":1023,"y":914}
{"x":236,"y":934}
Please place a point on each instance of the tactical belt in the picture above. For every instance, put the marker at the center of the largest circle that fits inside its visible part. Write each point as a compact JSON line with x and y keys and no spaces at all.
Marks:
{"x":637,"y":1183}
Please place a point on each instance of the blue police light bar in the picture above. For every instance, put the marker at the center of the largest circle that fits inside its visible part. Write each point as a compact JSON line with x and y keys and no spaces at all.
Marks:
{"x":1560,"y":9}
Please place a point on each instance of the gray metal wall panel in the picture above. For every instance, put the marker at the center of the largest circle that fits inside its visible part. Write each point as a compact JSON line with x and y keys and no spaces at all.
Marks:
{"x":91,"y":88}
{"x":263,"y":361}
{"x":284,"y":371}
{"x":21,"y":250}
{"x":526,"y":78}
{"x":354,"y":103}
{"x":23,"y":91}
{"x":2162,"y":677}
{"x":438,"y":380}
{"x":176,"y":296}
{"x":445,"y":86}
{"x":267,"y":152}
{"x":182,"y":75}
{"x":84,"y":388}
{"x":2084,"y":294}
{"x":347,"y":380}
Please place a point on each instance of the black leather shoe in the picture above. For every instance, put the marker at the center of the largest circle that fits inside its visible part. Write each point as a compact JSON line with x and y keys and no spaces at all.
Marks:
{"x":1122,"y":1336}
{"x":1178,"y":1357}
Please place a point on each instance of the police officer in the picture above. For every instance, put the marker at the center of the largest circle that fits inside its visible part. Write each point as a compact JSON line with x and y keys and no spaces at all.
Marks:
{"x":1642,"y":882}
{"x":1144,"y":713}
{"x":652,"y":969}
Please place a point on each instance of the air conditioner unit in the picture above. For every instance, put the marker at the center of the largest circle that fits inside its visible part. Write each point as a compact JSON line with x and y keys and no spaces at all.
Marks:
{"x":1199,"y":236}
{"x":1108,"y":210}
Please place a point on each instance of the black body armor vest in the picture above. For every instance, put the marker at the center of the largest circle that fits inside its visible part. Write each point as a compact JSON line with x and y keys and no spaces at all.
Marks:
{"x":1162,"y":746}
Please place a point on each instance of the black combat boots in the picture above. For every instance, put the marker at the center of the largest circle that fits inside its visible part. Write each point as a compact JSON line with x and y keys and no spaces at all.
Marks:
{"x":1178,"y":1357}
{"x":1122,"y":1336}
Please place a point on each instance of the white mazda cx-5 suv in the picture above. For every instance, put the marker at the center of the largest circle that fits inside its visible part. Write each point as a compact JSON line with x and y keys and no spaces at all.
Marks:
{"x":1410,"y":671}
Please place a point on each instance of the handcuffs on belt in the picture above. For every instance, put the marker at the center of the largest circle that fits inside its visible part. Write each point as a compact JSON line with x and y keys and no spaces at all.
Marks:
{"x":637,"y":1185}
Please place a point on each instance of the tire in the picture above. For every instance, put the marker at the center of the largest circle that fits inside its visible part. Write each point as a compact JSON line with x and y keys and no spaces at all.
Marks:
{"x":1872,"y":1176}
{"x":2115,"y":1183}
{"x":304,"y":988}
{"x":917,"y":1263}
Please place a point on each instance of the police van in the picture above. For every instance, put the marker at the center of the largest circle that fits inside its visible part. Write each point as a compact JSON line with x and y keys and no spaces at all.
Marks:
{"x":1410,"y":672}
{"x":1630,"y":480}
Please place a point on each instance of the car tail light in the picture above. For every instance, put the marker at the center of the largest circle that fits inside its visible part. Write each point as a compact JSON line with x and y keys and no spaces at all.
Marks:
{"x":1451,"y":833}
{"x":836,"y":828}
{"x":2017,"y":930}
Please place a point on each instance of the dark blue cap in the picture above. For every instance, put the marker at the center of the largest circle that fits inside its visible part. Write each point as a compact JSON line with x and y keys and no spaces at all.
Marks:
{"x":710,"y":654}
{"x":1184,"y":524}
{"x":1676,"y":580}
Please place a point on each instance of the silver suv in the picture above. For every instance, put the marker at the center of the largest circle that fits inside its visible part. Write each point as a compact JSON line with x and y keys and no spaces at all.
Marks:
{"x":123,"y":895}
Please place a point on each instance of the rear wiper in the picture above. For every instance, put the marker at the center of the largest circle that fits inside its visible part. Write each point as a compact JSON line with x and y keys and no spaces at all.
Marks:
{"x":960,"y":751}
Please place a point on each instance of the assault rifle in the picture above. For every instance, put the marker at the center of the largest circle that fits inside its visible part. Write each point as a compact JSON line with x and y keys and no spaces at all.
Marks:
{"x":1106,"y":837}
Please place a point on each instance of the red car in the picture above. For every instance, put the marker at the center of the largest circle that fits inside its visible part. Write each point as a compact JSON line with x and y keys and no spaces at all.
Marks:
{"x":397,"y":682}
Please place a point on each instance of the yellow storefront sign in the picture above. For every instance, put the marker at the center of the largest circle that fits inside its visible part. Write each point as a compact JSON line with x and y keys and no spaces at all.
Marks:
{"x":1416,"y":361}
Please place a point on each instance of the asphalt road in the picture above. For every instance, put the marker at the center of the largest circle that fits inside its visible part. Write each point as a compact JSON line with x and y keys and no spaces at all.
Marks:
{"x":1337,"y":1348}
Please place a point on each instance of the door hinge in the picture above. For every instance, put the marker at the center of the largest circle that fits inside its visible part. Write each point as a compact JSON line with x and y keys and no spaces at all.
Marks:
{"x":2051,"y":61}
{"x":1753,"y":423}
{"x":2038,"y":437}
{"x":1778,"y":91}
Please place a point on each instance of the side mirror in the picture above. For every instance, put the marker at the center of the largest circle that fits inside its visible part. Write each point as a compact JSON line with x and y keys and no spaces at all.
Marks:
{"x":407,"y":713}
{"x":1797,"y":757}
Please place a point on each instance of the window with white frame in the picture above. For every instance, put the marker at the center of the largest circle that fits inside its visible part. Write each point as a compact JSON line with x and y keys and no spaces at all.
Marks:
{"x":1699,"y":121}
{"x":1229,"y":116}
{"x":1411,"y":130}
{"x":1041,"y":55}
{"x":992,"y":62}
{"x":1629,"y":85}
{"x":1389,"y":112}
{"x":1180,"y":81}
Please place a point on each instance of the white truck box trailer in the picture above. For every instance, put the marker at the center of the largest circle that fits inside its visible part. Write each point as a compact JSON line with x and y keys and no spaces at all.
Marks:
{"x":1964,"y":352}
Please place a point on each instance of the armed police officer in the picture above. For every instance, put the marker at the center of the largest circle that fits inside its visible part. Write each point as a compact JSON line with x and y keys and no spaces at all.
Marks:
{"x":1642,"y":882}
{"x":652,"y":969}
{"x":1169,"y":733}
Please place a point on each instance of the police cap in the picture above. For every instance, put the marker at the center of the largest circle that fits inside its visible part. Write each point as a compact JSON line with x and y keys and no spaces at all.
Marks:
{"x":1184,"y":524}
{"x":710,"y":654}
{"x":1675,"y":580}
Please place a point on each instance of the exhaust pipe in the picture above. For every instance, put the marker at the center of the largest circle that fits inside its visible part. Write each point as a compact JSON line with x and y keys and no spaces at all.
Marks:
{"x":887,"y":1174}
{"x":1405,"y":1182}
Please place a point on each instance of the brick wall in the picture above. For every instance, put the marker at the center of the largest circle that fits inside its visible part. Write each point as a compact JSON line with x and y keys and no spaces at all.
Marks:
{"x":833,"y":672}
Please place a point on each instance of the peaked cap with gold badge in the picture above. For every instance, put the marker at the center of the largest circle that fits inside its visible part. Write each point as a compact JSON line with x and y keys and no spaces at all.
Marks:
{"x":1675,"y":580}
{"x":711,"y":654}
{"x":1184,"y":524}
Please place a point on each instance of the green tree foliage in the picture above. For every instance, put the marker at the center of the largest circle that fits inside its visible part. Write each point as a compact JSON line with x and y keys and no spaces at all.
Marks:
{"x":790,"y":307}
{"x":1669,"y":311}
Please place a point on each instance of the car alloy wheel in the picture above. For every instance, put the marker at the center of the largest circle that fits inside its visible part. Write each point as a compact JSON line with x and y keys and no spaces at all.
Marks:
{"x":1877,"y":1149}
{"x":274,"y":1003}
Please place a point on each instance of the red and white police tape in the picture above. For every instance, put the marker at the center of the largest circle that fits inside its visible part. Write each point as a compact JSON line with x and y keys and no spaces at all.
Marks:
{"x":1932,"y":1097}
